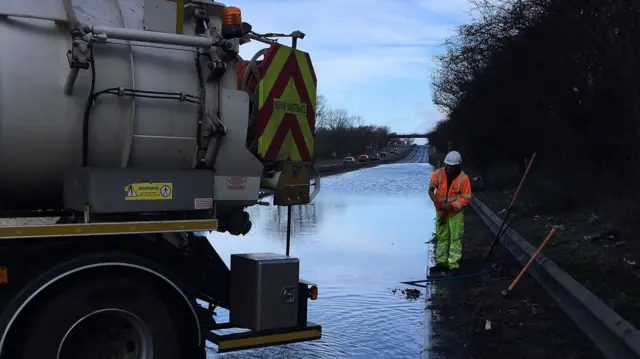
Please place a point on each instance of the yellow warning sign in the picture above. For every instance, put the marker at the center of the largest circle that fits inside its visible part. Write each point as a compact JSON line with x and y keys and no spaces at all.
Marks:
{"x":148,"y":191}
{"x":289,"y":107}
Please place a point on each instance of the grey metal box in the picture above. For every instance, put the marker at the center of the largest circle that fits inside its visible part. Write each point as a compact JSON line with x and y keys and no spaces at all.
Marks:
{"x":105,"y":190}
{"x":264,"y":291}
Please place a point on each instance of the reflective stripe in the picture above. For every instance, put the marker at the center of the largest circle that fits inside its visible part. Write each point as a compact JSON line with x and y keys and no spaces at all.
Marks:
{"x":460,"y":179}
{"x":457,"y":185}
{"x":286,"y":105}
{"x":440,"y":250}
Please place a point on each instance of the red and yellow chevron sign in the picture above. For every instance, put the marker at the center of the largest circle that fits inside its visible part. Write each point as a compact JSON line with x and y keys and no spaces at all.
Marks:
{"x":286,"y":105}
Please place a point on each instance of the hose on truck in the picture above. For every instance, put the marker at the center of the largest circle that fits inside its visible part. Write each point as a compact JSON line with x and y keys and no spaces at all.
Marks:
{"x":118,"y":91}
{"x":436,"y":278}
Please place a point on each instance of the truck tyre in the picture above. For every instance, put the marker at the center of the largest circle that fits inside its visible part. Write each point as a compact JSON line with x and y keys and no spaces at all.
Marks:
{"x":115,"y":317}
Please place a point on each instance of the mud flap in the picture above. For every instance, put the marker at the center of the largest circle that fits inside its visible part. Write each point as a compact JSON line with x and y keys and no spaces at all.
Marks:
{"x":250,"y":340}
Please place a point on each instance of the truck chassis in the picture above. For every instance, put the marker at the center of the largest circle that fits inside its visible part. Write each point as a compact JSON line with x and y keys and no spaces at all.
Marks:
{"x":50,"y":285}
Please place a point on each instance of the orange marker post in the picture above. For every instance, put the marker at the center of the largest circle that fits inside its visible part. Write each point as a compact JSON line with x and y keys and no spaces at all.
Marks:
{"x":506,"y":292}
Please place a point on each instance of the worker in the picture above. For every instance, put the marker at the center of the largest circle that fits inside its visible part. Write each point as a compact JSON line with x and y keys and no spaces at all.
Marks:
{"x":450,"y":190}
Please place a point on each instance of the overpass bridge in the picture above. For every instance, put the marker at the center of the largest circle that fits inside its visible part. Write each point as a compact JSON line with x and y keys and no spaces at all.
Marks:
{"x":408,"y":135}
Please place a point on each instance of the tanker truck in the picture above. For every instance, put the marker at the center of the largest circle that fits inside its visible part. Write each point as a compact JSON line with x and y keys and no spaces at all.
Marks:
{"x":129,"y":129}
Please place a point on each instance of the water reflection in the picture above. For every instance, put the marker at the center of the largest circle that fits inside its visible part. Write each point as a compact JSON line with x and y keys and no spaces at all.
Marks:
{"x":304,"y":221}
{"x":364,"y":234}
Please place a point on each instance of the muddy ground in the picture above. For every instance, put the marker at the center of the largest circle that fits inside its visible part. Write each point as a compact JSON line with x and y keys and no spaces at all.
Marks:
{"x":593,"y":243}
{"x":470,"y":319}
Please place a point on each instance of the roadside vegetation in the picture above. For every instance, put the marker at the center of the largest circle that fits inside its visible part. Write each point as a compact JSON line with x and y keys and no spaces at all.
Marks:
{"x":562,"y":79}
{"x":341,"y":132}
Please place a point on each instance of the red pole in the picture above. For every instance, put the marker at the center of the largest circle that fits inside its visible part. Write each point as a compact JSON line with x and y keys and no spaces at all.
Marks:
{"x":513,"y":200}
{"x":524,"y":176}
{"x":526,"y":267}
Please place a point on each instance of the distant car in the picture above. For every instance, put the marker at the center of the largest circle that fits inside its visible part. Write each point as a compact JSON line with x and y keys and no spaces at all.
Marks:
{"x":374,"y":157}
{"x":383,"y":154}
{"x":363,"y":158}
{"x":348,"y":160}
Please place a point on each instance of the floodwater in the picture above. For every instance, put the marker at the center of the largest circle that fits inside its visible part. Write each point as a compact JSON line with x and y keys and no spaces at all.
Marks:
{"x":364,"y":233}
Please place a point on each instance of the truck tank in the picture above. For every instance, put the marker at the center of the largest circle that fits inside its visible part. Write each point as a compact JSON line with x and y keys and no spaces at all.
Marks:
{"x":41,"y":125}
{"x":137,"y":110}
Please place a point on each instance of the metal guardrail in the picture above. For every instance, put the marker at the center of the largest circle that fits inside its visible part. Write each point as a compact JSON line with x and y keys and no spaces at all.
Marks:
{"x":614,"y":336}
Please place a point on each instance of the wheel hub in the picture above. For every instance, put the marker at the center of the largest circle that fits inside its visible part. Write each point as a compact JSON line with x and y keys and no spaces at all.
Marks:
{"x":107,"y":334}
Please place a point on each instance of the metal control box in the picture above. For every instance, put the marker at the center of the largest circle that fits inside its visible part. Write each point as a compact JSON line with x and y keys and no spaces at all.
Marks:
{"x":264,"y":291}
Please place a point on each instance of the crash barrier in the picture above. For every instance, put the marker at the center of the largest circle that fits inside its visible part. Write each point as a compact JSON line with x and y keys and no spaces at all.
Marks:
{"x":614,"y":336}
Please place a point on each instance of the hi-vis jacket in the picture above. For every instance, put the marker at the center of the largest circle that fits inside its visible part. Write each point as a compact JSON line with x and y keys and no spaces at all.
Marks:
{"x":459,"y":195}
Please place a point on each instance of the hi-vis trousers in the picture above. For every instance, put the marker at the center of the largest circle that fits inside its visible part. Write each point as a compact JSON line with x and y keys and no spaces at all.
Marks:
{"x":449,"y":240}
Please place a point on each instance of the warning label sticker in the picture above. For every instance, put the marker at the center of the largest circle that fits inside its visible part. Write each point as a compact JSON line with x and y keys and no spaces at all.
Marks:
{"x":236,"y":182}
{"x":148,"y":191}
{"x":203,"y":203}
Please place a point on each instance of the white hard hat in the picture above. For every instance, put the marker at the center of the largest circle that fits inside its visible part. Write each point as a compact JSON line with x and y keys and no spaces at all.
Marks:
{"x":453,"y":158}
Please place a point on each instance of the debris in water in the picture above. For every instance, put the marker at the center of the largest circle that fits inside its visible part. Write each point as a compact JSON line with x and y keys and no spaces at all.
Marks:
{"x":411,"y":294}
{"x":487,"y":325}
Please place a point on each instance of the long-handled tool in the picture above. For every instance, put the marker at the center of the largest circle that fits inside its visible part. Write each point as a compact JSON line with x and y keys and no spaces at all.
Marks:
{"x":515,"y":216}
{"x":288,"y":229}
{"x":505,"y":292}
{"x":513,"y":200}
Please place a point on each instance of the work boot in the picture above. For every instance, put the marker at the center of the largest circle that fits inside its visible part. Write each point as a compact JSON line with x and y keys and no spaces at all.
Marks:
{"x":438,"y":268}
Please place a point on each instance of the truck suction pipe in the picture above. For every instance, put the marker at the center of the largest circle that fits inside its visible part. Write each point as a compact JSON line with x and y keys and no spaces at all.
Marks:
{"x":72,"y":24}
{"x":152,"y":37}
{"x":106,"y":32}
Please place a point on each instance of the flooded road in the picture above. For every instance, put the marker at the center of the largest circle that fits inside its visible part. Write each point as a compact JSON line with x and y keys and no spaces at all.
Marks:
{"x":364,"y":233}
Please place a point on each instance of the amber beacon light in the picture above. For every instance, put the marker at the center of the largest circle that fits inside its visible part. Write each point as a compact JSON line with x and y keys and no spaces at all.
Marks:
{"x":231,"y":22}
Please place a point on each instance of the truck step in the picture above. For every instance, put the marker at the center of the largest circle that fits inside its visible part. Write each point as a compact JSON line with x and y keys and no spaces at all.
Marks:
{"x":249,"y":340}
{"x":89,"y":229}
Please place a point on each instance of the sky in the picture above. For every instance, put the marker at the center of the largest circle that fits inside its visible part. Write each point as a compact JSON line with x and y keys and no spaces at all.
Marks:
{"x":372,"y":57}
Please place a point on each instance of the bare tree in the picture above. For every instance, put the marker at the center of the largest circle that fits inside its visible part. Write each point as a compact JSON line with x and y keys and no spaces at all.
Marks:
{"x":338,"y":118}
{"x":356,"y":121}
{"x":321,"y":111}
{"x":557,"y":77}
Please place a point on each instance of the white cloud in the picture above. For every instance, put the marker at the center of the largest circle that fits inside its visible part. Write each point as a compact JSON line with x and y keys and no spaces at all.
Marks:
{"x":429,"y":114}
{"x":360,"y":46}
{"x":357,"y":42}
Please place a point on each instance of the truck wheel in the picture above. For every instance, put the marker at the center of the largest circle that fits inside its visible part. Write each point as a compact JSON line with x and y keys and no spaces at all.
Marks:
{"x":109,"y":318}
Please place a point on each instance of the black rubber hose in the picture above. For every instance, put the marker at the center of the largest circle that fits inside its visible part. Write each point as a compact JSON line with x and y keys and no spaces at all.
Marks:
{"x":119,"y":92}
{"x":87,"y":111}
